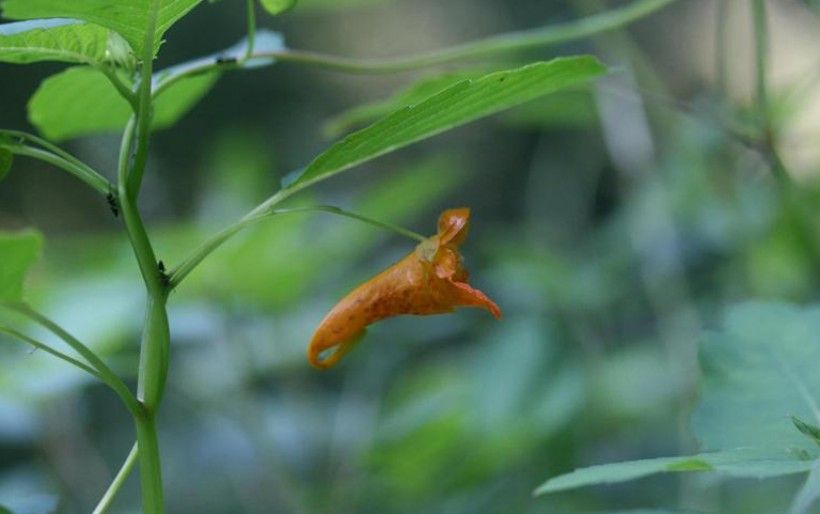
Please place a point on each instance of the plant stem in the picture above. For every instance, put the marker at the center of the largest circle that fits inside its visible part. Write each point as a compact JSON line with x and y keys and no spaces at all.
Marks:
{"x":251,"y":9}
{"x":498,"y":45}
{"x":105,"y":373}
{"x":767,"y":132}
{"x":154,"y":349}
{"x":150,"y":469}
{"x":721,"y":55}
{"x":119,"y":480}
{"x":121,"y":88}
{"x":48,"y":349}
{"x":91,"y":178}
{"x":180,"y":272}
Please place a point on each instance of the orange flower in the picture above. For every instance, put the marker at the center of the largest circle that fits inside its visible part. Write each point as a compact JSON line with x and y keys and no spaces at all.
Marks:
{"x":430,"y":280}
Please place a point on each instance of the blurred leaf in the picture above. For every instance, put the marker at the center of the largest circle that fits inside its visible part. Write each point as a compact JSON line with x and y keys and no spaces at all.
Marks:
{"x":464,"y":102}
{"x":52,"y":40}
{"x":81,"y":101}
{"x":6,"y":160}
{"x":421,"y":90}
{"x":808,"y":494}
{"x":757,"y":371}
{"x":750,"y":463}
{"x":275,"y":7}
{"x":18,"y":251}
{"x":130,"y":19}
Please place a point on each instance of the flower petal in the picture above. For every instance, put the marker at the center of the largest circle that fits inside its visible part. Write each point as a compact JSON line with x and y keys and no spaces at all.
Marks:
{"x":430,"y":280}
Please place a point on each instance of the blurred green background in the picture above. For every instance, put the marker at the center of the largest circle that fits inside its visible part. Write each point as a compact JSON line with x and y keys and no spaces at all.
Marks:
{"x":612,"y":225}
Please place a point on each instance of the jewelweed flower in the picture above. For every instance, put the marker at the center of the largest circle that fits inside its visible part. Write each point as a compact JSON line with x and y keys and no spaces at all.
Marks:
{"x":432,"y":279}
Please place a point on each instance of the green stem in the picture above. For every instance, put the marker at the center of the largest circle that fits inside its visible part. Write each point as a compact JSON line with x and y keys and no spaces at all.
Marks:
{"x":154,"y":349}
{"x":50,"y":147}
{"x":150,"y":468}
{"x":48,"y":349}
{"x":251,"y":9}
{"x":721,"y":55}
{"x":498,"y":45}
{"x":90,"y":177}
{"x":144,"y":110}
{"x":768,"y":138}
{"x":119,"y":480}
{"x":121,"y":88}
{"x":105,"y":373}
{"x":189,"y":264}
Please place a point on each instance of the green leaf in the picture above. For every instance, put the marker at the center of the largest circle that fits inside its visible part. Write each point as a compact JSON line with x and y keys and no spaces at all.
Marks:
{"x":415,"y":93}
{"x":748,"y":463}
{"x":18,"y":251}
{"x":81,"y":101}
{"x":277,"y":6}
{"x":758,"y":374}
{"x":131,"y":19}
{"x":459,"y":104}
{"x":6,"y":160}
{"x":52,"y":40}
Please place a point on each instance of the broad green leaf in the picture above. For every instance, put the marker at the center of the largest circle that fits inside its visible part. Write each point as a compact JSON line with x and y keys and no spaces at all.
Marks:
{"x":131,"y":19}
{"x":417,"y":92}
{"x":277,"y":6}
{"x":459,"y":104}
{"x":80,"y":101}
{"x":18,"y":251}
{"x":758,"y":373}
{"x":52,"y":40}
{"x":6,"y":160}
{"x":746,"y":463}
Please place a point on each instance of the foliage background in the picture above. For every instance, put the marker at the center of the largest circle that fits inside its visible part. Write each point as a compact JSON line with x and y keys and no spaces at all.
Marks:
{"x":613,"y":226}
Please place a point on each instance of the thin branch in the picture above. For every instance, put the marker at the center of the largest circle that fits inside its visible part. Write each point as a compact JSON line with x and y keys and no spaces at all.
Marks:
{"x":761,"y":33}
{"x":105,"y":373}
{"x":493,"y":46}
{"x":119,"y":85}
{"x":116,"y":484}
{"x":71,"y":165}
{"x":251,"y":9}
{"x":48,"y":349}
{"x":192,"y":261}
